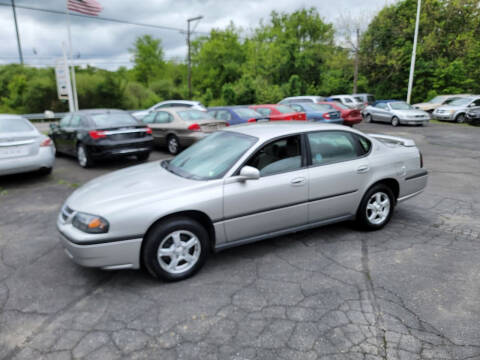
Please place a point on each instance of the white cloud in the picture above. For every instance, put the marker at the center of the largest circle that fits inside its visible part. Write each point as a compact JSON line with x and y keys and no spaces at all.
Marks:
{"x":106,"y":44}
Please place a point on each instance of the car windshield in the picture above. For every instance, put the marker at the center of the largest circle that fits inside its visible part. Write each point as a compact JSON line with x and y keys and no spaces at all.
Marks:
{"x":113,"y":119}
{"x":358,"y":98}
{"x":15,"y":125}
{"x":437,"y":100}
{"x":194,"y":115}
{"x":461,"y":102}
{"x":284,"y":109}
{"x":247,"y":113}
{"x":211,"y":157}
{"x":400,"y":106}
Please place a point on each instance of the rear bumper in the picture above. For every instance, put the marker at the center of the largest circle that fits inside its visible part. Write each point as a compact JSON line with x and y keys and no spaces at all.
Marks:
{"x":45,"y":158}
{"x":352,"y":121}
{"x":99,"y":151}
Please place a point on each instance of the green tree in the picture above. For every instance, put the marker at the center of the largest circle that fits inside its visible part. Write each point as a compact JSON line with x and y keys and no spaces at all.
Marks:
{"x":148,"y":58}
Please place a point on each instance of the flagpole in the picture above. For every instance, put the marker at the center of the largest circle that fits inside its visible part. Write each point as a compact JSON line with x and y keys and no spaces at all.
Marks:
{"x":414,"y":53}
{"x":74,"y":82}
{"x":71,"y":105}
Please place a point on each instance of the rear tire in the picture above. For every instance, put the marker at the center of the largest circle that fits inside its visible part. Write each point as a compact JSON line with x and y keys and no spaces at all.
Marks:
{"x":173,"y":145}
{"x":376,"y":208}
{"x":83,"y":158}
{"x":175,"y":249}
{"x":395,"y":122}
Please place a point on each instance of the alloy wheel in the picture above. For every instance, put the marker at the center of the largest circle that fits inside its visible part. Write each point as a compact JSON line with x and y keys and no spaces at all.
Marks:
{"x":378,"y":208}
{"x":173,"y":145}
{"x":179,"y":251}
{"x":82,"y":156}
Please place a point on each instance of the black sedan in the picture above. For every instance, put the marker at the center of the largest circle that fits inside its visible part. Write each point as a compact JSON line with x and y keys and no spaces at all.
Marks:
{"x":90,"y":135}
{"x":473,"y":116}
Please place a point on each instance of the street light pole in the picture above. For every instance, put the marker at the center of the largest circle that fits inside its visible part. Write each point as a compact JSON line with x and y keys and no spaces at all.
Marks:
{"x":189,"y":55}
{"x":414,"y":53}
{"x":18,"y":36}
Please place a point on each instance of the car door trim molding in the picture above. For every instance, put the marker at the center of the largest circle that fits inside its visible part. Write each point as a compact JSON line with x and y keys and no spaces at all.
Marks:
{"x":420,"y":174}
{"x":284,"y":206}
{"x":226,"y":245}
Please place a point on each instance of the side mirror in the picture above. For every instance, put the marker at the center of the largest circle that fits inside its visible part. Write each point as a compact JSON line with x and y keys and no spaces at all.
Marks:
{"x":53,"y":126}
{"x":249,"y":173}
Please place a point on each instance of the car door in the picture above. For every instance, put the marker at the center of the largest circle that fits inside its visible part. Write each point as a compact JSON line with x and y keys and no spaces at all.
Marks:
{"x":380,"y":112}
{"x":71,"y":134}
{"x":274,"y":202}
{"x":162,"y":126}
{"x":60,"y":134}
{"x":338,"y":173}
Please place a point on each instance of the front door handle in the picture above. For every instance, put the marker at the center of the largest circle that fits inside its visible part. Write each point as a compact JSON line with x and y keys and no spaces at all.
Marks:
{"x":362,"y":169}
{"x":298,"y":181}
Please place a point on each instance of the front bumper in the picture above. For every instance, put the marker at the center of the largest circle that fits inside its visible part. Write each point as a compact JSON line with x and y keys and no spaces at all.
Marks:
{"x":413,"y":121}
{"x":43,"y":159}
{"x":444,"y":117}
{"x":97,"y":251}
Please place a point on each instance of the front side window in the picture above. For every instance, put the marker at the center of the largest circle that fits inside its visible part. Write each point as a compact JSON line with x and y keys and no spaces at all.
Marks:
{"x":284,"y":109}
{"x":296,"y":107}
{"x":328,"y":147}
{"x":245,"y":113}
{"x":278,"y":156}
{"x":163,"y":117}
{"x":65,"y":122}
{"x":264,"y":111}
{"x":347,"y":100}
{"x":476,"y":102}
{"x":75,"y":121}
{"x":381,"y":106}
{"x":224,"y":115}
{"x":150,"y":118}
{"x":194,"y":115}
{"x":400,"y":106}
{"x":211,"y":157}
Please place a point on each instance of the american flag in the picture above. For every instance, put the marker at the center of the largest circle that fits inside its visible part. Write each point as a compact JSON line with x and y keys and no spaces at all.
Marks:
{"x":87,"y":7}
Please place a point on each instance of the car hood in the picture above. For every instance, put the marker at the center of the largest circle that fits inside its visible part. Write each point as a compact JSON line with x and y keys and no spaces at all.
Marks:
{"x":127,"y":188}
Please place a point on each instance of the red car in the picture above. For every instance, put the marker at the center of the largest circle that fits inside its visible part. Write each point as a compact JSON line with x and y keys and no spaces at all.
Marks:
{"x":350,"y":116}
{"x":279,"y":112}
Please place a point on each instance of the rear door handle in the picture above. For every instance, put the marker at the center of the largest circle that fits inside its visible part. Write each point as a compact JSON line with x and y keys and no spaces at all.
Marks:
{"x":363,"y":169}
{"x":299,"y":181}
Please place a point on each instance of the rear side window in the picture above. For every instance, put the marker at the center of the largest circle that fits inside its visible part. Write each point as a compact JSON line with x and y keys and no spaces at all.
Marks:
{"x":150,"y":118}
{"x":224,"y":115}
{"x":328,"y":147}
{"x":15,"y":125}
{"x":75,"y":121}
{"x":296,"y":107}
{"x":65,"y":122}
{"x":163,"y":117}
{"x":263,"y":111}
{"x":284,"y":109}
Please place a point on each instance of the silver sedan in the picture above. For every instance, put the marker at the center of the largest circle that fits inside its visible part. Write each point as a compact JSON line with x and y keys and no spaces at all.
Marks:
{"x":240,"y":185}
{"x":395,"y":113}
{"x":23,"y":148}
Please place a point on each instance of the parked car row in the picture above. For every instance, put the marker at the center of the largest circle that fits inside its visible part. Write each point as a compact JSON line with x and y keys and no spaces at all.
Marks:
{"x":395,"y":112}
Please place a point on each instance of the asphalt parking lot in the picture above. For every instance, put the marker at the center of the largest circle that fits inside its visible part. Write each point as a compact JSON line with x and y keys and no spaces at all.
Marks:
{"x":409,"y":291}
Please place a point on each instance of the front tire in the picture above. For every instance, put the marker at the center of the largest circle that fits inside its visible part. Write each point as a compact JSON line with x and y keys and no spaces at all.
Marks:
{"x":368,"y":118}
{"x":395,"y":121}
{"x":175,"y":249}
{"x":376,"y":208}
{"x":83,"y":158}
{"x":460,"y":118}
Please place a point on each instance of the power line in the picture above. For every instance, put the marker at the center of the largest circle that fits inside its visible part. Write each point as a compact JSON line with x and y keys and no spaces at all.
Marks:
{"x":51,"y":11}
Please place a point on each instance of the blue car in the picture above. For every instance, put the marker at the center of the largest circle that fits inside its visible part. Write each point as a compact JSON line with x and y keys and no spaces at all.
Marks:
{"x":319,"y":112}
{"x":236,"y":114}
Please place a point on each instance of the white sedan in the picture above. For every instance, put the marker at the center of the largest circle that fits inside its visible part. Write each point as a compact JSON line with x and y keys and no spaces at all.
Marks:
{"x":23,"y":148}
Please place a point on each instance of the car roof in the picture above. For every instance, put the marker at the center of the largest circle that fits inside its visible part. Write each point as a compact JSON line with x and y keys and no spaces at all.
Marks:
{"x":175,"y":108}
{"x":270,"y":130}
{"x":98,"y":111}
{"x":11,"y":116}
{"x":192,"y":102}
{"x":229,"y":107}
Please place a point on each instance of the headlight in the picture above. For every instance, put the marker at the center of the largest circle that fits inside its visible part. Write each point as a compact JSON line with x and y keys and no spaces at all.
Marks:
{"x":451,"y":112}
{"x":91,"y":224}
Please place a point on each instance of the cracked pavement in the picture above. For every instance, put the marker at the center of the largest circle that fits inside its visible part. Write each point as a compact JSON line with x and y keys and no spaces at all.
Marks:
{"x":409,"y":291}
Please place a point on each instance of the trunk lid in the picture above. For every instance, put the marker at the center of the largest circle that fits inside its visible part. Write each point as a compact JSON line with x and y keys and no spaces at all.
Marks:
{"x":19,"y":144}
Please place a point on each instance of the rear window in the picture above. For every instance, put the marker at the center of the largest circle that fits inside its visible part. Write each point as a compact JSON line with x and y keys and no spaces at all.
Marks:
{"x":246,"y":113}
{"x":370,"y":99}
{"x":358,"y":98}
{"x":113,"y":119}
{"x":284,"y":109}
{"x":194,"y":115}
{"x":15,"y":125}
{"x":341,"y":106}
{"x":321,"y":107}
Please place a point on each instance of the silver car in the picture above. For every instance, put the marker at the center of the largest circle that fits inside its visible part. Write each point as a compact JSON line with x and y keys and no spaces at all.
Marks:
{"x":240,"y":185}
{"x":395,"y":113}
{"x":23,"y":148}
{"x":197,"y":105}
{"x":456,"y":110}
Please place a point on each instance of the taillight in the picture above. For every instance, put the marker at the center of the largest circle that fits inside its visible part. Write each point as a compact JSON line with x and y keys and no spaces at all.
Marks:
{"x":326,"y":116}
{"x":252,"y":120}
{"x":194,"y":127}
{"x":46,"y":142}
{"x":148,"y":131}
{"x":96,"y":134}
{"x":227,"y":124}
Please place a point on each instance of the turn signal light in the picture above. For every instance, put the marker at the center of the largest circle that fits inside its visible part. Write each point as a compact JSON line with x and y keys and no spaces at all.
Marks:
{"x":46,"y":142}
{"x":326,"y":116}
{"x":95,"y":134}
{"x":194,"y":127}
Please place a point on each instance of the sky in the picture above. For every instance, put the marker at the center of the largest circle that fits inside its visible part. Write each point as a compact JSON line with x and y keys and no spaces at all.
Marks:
{"x":106,"y":44}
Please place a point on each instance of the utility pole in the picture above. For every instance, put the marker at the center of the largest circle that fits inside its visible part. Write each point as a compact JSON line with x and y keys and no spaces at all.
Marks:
{"x":18,"y":36}
{"x":355,"y":71}
{"x":189,"y":54}
{"x":414,"y":53}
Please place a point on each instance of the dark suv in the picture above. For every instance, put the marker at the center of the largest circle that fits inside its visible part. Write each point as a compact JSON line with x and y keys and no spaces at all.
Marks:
{"x":101,"y":133}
